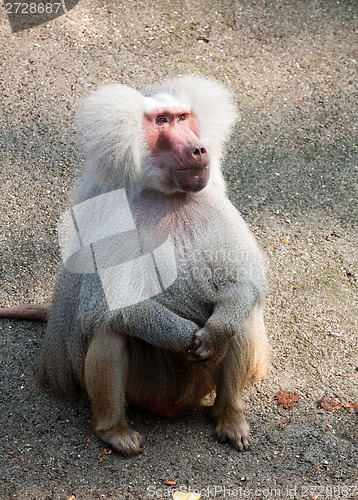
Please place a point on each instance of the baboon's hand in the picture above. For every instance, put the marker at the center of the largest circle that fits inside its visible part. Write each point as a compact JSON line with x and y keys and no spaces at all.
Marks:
{"x":206,"y":349}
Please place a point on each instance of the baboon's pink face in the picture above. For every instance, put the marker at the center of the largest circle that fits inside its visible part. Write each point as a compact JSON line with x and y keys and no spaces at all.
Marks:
{"x":180,"y":160}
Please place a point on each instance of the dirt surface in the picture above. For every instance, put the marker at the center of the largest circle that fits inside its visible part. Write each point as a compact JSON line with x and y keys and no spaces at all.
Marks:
{"x":292,"y":171}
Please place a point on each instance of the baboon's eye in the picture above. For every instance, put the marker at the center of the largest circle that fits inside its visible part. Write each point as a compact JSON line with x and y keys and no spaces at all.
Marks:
{"x":161,"y":120}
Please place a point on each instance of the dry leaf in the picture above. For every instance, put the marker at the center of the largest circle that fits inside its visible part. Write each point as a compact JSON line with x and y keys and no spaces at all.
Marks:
{"x":287,"y":399}
{"x":328,"y":404}
{"x":181,"y":495}
{"x":352,"y":408}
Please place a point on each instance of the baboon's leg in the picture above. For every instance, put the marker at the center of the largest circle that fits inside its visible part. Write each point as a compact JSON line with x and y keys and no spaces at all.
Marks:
{"x":239,"y":365}
{"x":228,"y":414}
{"x":106,"y":373}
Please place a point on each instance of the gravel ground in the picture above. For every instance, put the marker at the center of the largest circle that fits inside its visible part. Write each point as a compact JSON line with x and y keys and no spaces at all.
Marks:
{"x":292,"y":171}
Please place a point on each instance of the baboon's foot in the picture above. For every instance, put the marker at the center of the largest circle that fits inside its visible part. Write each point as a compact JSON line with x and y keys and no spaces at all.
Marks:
{"x":123,"y":439}
{"x":236,"y":432}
